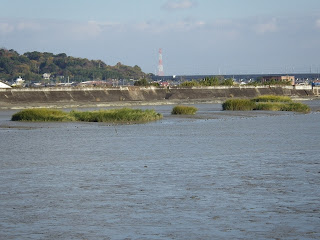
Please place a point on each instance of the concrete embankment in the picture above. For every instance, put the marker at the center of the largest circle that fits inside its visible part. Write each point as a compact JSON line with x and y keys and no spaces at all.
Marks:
{"x":29,"y":97}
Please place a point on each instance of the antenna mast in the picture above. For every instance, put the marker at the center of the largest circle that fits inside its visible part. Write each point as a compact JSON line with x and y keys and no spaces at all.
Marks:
{"x":160,"y":65}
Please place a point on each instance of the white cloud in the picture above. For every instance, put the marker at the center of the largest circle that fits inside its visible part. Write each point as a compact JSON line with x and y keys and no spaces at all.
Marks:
{"x":88,"y":29}
{"x":29,"y":25}
{"x":6,"y":28}
{"x":178,"y":5}
{"x":163,"y":28}
{"x":131,"y":42}
{"x":270,"y":26}
{"x":186,"y":25}
{"x":93,"y":29}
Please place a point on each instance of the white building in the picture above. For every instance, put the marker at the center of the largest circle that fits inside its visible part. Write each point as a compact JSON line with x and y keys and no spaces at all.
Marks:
{"x":3,"y":85}
{"x":46,"y":76}
{"x":19,"y":82}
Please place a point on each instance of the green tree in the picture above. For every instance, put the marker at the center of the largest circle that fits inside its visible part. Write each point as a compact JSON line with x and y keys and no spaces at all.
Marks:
{"x":192,"y":83}
{"x":36,"y":63}
{"x":142,"y":82}
{"x":210,"y":81}
{"x":33,"y":55}
{"x":227,"y":82}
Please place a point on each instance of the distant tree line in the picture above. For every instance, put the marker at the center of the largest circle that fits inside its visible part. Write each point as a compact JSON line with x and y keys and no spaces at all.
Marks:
{"x":221,"y":81}
{"x":144,"y":82}
{"x":32,"y":65}
{"x":209,"y":81}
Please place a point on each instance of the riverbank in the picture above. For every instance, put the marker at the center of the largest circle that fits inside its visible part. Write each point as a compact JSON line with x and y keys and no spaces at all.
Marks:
{"x":127,"y":96}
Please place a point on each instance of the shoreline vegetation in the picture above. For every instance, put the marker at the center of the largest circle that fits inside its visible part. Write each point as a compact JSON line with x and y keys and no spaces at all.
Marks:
{"x":122,"y":115}
{"x":128,"y":115}
{"x":265,"y":103}
{"x":184,"y":110}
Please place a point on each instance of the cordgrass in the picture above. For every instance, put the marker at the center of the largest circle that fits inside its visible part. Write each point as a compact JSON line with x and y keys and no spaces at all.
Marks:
{"x":42,"y":115}
{"x":117,"y":115}
{"x":123,"y":115}
{"x":293,"y":107}
{"x":265,"y":103}
{"x":296,"y":107}
{"x":184,"y":110}
{"x":238,"y":105}
{"x":272,"y":98}
{"x":269,"y":106}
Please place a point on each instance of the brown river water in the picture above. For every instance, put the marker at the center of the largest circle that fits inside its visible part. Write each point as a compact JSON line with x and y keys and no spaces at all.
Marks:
{"x":217,"y":175}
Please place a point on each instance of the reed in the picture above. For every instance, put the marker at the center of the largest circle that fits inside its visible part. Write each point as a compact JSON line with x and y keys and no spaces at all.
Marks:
{"x":291,"y":106}
{"x":117,"y":115}
{"x":272,"y":98}
{"x":296,"y":107}
{"x":184,"y":110}
{"x":123,"y":115}
{"x":238,"y":105}
{"x":42,"y":115}
{"x":269,"y":106}
{"x":265,"y":103}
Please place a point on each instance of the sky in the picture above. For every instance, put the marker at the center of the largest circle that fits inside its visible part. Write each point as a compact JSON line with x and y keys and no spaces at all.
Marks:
{"x":196,"y":36}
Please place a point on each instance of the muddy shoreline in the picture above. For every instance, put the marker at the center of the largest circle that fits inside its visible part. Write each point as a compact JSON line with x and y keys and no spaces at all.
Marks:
{"x":24,"y":105}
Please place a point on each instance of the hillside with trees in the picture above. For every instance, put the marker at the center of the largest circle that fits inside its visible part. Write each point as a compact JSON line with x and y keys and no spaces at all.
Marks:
{"x":32,"y":65}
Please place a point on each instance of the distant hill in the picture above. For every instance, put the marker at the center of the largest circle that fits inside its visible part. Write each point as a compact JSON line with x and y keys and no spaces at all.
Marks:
{"x":32,"y":65}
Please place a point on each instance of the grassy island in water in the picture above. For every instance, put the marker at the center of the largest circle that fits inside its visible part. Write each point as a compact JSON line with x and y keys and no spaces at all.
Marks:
{"x":266,"y":103}
{"x":184,"y":110}
{"x":123,"y":115}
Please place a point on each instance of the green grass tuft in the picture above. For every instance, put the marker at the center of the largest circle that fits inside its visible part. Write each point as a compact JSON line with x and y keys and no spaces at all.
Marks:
{"x":117,"y":115}
{"x":293,"y":107}
{"x":272,"y":98}
{"x":123,"y":115}
{"x":266,"y":103}
{"x":184,"y":110}
{"x":296,"y":107}
{"x":42,"y":115}
{"x":238,"y":105}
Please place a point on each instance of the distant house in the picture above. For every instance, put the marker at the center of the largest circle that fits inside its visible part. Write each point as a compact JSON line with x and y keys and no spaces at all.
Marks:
{"x":164,"y":84}
{"x":3,"y":85}
{"x":18,"y":83}
{"x":279,"y":78}
{"x":46,"y":76}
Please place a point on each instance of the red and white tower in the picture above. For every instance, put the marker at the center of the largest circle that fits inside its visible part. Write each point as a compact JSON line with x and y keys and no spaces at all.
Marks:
{"x":160,"y":65}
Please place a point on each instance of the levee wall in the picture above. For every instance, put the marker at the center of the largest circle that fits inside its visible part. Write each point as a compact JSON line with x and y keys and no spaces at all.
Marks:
{"x":120,"y":94}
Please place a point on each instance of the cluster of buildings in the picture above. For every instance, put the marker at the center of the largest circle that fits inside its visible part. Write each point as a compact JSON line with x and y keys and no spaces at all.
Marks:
{"x":285,"y":78}
{"x":292,"y":79}
{"x":166,"y":81}
{"x":18,"y":83}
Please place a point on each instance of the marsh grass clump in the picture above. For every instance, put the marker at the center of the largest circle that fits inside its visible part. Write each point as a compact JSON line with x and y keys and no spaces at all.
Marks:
{"x":292,"y":107}
{"x":123,"y":115}
{"x":296,"y":107}
{"x":117,"y":115}
{"x":266,"y":103}
{"x":272,"y":98}
{"x":268,"y":106}
{"x":42,"y":115}
{"x":184,"y":110}
{"x":238,"y":105}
